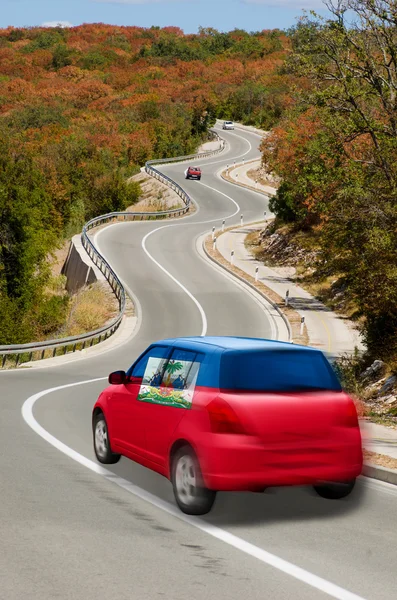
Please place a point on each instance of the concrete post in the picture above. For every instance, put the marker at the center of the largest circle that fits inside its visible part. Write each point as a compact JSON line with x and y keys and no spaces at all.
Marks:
{"x":302,"y":324}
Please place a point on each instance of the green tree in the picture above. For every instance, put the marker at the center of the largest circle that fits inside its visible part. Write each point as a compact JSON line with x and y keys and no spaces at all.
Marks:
{"x":61,"y":57}
{"x":351,"y":62}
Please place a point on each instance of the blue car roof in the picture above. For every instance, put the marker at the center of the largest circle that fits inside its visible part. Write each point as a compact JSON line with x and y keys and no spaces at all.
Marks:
{"x":222,"y":343}
{"x":219,"y":368}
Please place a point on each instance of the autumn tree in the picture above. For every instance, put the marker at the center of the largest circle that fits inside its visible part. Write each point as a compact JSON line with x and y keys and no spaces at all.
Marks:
{"x":346,"y":172}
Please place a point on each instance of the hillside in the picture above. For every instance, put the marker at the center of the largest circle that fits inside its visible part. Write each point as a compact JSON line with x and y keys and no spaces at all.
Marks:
{"x":335,"y":153}
{"x":81,"y":109}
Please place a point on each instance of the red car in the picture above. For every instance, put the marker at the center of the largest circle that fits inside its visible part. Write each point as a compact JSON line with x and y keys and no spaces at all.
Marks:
{"x":224,"y":413}
{"x":193,"y":173}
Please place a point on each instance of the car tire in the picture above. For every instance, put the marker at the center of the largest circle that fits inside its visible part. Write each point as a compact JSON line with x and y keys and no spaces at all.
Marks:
{"x":102,"y":448}
{"x":199,"y":178}
{"x":192,"y":497}
{"x":335,"y":491}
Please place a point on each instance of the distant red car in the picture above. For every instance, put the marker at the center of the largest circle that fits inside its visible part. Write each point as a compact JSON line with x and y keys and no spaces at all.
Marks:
{"x":193,"y":173}
{"x":224,"y":413}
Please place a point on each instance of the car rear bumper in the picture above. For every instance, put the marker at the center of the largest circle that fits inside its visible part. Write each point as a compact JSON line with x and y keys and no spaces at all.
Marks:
{"x":251,"y":466}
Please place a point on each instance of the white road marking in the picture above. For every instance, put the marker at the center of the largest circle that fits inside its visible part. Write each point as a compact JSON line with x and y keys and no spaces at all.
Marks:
{"x":233,"y":158}
{"x":143,"y":244}
{"x":272,"y":560}
{"x":226,"y":196}
{"x":260,"y":301}
{"x":196,"y":302}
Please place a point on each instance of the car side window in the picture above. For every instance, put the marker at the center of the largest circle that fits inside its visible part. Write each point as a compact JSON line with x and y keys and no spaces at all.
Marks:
{"x":180,"y":369}
{"x":154,"y":357}
{"x":172,"y":381}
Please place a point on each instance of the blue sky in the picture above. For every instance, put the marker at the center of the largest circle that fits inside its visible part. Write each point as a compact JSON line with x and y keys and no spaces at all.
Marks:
{"x":225,"y":15}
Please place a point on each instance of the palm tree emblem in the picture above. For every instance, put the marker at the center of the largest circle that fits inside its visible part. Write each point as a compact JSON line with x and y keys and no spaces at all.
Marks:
{"x":171,"y":368}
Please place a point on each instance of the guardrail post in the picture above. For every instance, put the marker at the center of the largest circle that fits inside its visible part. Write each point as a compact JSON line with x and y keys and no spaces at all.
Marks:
{"x":302,"y":324}
{"x":287,"y":298}
{"x":54,"y":352}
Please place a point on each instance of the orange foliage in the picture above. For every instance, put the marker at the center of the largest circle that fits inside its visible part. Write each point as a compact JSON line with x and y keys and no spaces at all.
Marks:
{"x":115,"y":100}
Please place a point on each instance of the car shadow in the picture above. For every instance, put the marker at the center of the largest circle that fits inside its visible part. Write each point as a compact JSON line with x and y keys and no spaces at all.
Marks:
{"x":280,"y":505}
{"x":245,"y":508}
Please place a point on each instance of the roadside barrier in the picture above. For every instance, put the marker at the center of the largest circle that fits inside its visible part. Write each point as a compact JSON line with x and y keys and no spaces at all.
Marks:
{"x":17,"y":354}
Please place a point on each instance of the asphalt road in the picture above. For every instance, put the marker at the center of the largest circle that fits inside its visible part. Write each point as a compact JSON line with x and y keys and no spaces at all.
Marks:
{"x":73,"y":530}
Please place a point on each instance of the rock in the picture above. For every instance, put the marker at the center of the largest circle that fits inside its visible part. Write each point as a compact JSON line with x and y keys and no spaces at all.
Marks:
{"x":376,"y":385}
{"x":376,"y":367}
{"x":390,"y":400}
{"x":389,"y":384}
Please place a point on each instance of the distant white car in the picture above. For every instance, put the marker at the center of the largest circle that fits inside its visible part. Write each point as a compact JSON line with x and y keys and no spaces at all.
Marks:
{"x":228,"y":125}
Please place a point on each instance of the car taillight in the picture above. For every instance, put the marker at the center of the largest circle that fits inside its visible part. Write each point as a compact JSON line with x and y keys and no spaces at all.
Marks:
{"x":223,"y":419}
{"x":348,"y":415}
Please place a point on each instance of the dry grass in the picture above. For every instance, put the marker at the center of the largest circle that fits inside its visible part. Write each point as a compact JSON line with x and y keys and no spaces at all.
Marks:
{"x":257,"y":175}
{"x":252,"y":174}
{"x":292,"y":316}
{"x":226,"y":176}
{"x":380,"y":459}
{"x":92,"y":307}
{"x":156,"y":196}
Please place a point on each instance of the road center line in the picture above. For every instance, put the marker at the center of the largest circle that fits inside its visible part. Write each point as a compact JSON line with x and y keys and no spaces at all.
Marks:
{"x":196,"y":302}
{"x":265,"y":557}
{"x":151,"y":257}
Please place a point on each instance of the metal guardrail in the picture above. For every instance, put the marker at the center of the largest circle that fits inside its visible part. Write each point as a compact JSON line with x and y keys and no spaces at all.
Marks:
{"x":20,"y":353}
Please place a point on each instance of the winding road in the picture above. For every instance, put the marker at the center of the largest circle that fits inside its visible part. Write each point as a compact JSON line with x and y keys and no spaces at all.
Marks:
{"x":72,"y":530}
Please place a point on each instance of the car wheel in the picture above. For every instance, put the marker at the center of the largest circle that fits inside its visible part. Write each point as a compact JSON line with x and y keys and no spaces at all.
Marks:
{"x":335,"y":491}
{"x":102,"y":448}
{"x":190,"y":494}
{"x":199,"y":178}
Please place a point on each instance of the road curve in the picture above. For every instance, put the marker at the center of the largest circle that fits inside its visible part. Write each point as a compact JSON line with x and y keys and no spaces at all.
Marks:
{"x":71,"y":529}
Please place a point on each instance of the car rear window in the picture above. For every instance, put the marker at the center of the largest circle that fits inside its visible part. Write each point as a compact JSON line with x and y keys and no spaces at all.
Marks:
{"x":277,"y":371}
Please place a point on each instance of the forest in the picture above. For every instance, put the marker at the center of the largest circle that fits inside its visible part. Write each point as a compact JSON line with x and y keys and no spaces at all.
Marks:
{"x":82,"y":109}
{"x":335,"y":150}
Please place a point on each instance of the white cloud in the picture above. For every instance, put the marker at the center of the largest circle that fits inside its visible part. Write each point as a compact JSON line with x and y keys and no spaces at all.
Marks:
{"x":298,"y":4}
{"x":57,"y":24}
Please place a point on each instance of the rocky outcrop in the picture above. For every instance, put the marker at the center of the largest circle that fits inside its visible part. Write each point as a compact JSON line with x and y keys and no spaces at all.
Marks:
{"x":280,"y":248}
{"x":380,"y":389}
